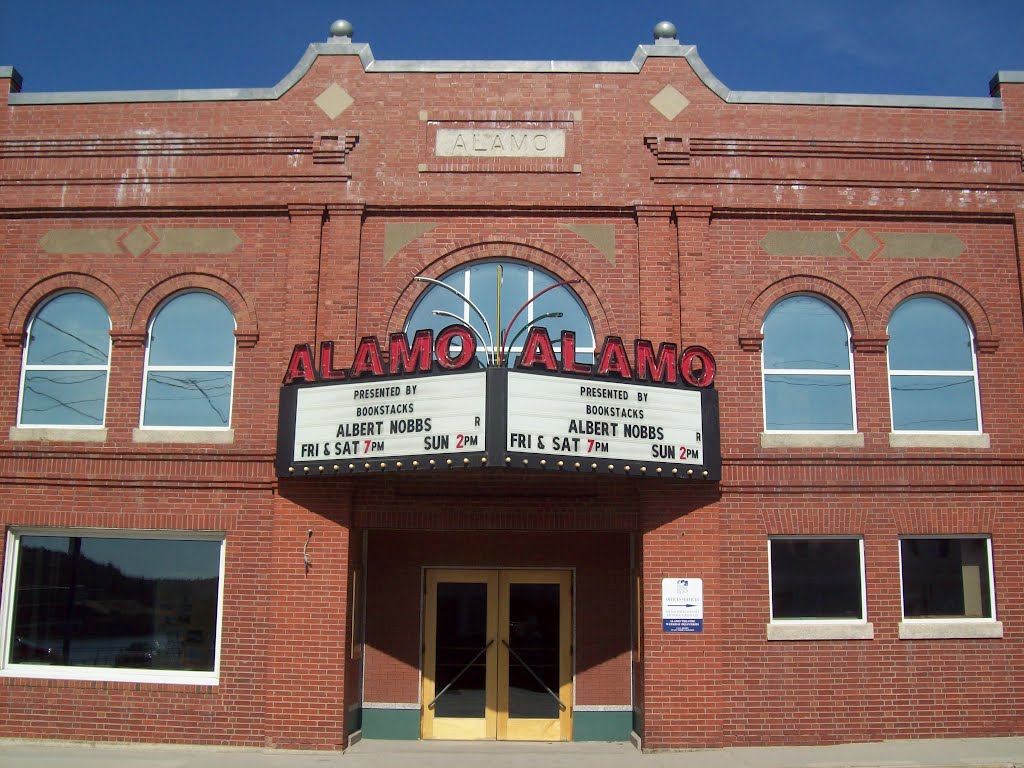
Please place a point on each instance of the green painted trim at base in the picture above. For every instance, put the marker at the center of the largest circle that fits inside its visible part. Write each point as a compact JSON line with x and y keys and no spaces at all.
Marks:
{"x":391,"y":724}
{"x":601,"y":726}
{"x":354,"y":721}
{"x":404,"y":724}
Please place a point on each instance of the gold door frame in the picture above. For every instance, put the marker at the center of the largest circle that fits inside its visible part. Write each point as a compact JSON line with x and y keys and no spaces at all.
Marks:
{"x":449,"y":727}
{"x":496,"y":724}
{"x":526,"y":729}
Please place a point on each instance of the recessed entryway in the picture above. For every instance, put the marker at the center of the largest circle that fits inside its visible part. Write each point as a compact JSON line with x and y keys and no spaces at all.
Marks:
{"x":497,"y":661}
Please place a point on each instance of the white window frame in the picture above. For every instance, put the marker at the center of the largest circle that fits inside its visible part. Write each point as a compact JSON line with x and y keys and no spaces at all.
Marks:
{"x":147,"y":368}
{"x":947,"y":627}
{"x":106,"y":674}
{"x":26,"y":368}
{"x":810,"y":372}
{"x":973,"y":373}
{"x":819,"y":628}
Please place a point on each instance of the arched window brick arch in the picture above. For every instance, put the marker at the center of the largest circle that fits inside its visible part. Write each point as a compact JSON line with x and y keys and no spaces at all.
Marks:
{"x":502,"y":250}
{"x":97,"y":286}
{"x":895,"y":293}
{"x":247,"y":326}
{"x":758,"y":304}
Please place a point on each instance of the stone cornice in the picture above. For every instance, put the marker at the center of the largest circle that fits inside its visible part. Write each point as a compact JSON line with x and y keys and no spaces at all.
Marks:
{"x":664,"y":48}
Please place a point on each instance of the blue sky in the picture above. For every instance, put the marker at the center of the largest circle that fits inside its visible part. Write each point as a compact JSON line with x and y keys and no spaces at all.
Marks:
{"x":943,"y":47}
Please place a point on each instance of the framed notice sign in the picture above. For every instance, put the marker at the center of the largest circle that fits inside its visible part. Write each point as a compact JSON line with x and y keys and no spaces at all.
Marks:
{"x":682,"y":605}
{"x":607,"y":425}
{"x":354,"y":426}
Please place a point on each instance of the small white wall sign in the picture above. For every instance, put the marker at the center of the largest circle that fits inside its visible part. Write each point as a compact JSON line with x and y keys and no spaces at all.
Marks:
{"x":682,"y":605}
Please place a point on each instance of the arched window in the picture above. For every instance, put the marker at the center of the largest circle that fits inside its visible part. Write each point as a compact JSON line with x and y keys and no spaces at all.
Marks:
{"x":557,"y":309}
{"x":933,"y":371}
{"x":190,"y":360}
{"x":66,"y":364}
{"x":808,"y":367}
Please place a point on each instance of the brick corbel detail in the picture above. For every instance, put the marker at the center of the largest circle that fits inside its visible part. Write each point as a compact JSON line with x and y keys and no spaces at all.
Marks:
{"x":306,"y":209}
{"x":653,"y":211}
{"x":345,"y":209}
{"x":128,"y":338}
{"x":246,"y":340}
{"x":986,"y":345}
{"x":752,"y":343}
{"x":872,"y":345}
{"x":13,"y":338}
{"x":702,"y":212}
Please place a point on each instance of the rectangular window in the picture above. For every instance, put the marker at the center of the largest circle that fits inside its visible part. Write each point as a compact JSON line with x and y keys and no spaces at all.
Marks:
{"x":947,"y":578}
{"x":106,"y":605}
{"x":817,"y":579}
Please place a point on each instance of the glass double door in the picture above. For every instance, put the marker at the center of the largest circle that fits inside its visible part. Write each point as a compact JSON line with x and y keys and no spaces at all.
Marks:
{"x":497,"y":660}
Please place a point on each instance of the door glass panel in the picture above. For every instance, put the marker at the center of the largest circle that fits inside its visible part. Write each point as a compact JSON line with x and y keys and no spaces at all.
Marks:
{"x":534,"y":651}
{"x":461,"y":664}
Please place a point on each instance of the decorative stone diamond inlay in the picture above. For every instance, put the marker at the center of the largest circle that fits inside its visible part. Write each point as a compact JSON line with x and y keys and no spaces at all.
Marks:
{"x":670,"y":102}
{"x":138,"y":241}
{"x":334,"y":100}
{"x":863,"y":245}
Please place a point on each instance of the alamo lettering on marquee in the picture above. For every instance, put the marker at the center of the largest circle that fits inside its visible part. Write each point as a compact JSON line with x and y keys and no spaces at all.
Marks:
{"x":500,"y":142}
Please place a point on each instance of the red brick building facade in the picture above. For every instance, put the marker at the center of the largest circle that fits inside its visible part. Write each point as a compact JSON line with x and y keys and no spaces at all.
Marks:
{"x":852,"y":262}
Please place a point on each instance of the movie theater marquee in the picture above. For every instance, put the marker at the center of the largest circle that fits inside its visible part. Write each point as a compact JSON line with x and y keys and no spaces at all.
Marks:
{"x":433,"y":406}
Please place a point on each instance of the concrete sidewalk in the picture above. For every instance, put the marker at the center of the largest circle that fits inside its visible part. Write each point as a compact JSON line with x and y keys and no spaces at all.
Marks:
{"x":931,"y":753}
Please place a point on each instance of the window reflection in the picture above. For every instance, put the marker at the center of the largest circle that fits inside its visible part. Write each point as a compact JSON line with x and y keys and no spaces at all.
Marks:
{"x":116,"y":602}
{"x":808,"y":373}
{"x":64,"y":377}
{"x":946,"y":578}
{"x":816,"y":579}
{"x":932,"y":368}
{"x":190,"y":363}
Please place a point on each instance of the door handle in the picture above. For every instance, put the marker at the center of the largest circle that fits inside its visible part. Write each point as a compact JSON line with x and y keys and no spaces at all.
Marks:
{"x":552,"y":694}
{"x":462,"y":671}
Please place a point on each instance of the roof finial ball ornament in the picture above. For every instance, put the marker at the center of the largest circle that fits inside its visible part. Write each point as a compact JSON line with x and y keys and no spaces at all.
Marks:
{"x":341,"y":29}
{"x":665,"y":33}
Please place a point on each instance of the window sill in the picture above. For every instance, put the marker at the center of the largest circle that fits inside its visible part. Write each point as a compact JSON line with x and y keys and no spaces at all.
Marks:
{"x":193,"y":436}
{"x":805,"y":440}
{"x":950,"y":630}
{"x":58,"y":434}
{"x":107,"y":675}
{"x":945,"y":440}
{"x":821,"y":631}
